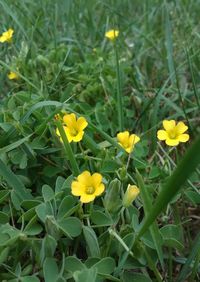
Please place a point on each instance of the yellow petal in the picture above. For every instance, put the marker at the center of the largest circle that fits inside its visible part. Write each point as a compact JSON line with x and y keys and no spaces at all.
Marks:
{"x":181,"y":127}
{"x":70,"y":120}
{"x":81,"y":123}
{"x":130,"y":195}
{"x":172,"y":142}
{"x":183,"y":137}
{"x":77,"y":188}
{"x":86,"y":198}
{"x":96,"y":178}
{"x":78,"y":137}
{"x":169,"y":124}
{"x":123,"y":137}
{"x":112,"y":34}
{"x":100,"y":189}
{"x":68,"y":134}
{"x":134,"y":139}
{"x":85,"y":178}
{"x":13,"y":75}
{"x":162,"y":135}
{"x":129,"y":149}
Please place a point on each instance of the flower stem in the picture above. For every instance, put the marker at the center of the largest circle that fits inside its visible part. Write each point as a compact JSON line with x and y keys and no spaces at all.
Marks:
{"x":119,"y":92}
{"x":68,"y":149}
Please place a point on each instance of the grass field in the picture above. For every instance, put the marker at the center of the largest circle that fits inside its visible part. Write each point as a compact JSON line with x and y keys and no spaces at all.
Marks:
{"x":99,"y":141}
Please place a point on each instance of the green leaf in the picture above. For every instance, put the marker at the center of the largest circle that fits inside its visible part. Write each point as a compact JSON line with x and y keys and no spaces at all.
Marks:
{"x":48,"y":248}
{"x":105,"y":266}
{"x":101,"y":219}
{"x":171,"y":235}
{"x":71,"y":226}
{"x":14,"y":182}
{"x":66,"y":207}
{"x":4,"y":218}
{"x":92,"y":242}
{"x":43,"y":210}
{"x":29,"y":279}
{"x":4,"y":254}
{"x":50,"y":270}
{"x":4,"y":195}
{"x":73,"y":264}
{"x":33,"y":228}
{"x":85,"y":275}
{"x":47,"y":193}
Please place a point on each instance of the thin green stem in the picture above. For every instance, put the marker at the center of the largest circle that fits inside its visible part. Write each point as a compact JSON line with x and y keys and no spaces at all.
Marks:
{"x":170,"y":265}
{"x":68,"y":149}
{"x":152,"y":266}
{"x":119,"y":92}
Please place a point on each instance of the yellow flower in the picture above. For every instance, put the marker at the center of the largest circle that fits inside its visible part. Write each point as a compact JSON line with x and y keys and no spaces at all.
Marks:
{"x":87,"y":186}
{"x":73,"y":127}
{"x":127,"y":141}
{"x":13,"y":75}
{"x":130,"y":195}
{"x":112,"y":34}
{"x":7,"y":36}
{"x":173,"y":134}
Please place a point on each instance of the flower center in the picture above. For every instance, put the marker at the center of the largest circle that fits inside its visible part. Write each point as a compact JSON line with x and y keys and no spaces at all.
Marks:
{"x":89,"y":190}
{"x":173,"y":134}
{"x":74,"y":132}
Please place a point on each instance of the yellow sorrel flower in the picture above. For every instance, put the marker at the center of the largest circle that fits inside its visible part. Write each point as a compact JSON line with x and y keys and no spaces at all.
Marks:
{"x":88,"y":186}
{"x":127,"y":141}
{"x":13,"y":75}
{"x":130,"y":195}
{"x":112,"y":34}
{"x":173,"y":134}
{"x":7,"y":36}
{"x":73,"y":127}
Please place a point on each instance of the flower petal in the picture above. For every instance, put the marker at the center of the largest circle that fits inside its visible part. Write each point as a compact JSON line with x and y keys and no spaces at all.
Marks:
{"x":81,"y":123}
{"x":68,"y":134}
{"x":183,"y":137}
{"x":169,"y":124}
{"x":129,"y":149}
{"x":181,"y":127}
{"x":97,"y":179}
{"x":78,"y":137}
{"x":123,"y":136}
{"x":172,"y":142}
{"x":77,"y":188}
{"x":162,"y":135}
{"x":100,"y":189}
{"x":86,"y":198}
{"x":85,"y":178}
{"x":134,"y":139}
{"x":70,"y":120}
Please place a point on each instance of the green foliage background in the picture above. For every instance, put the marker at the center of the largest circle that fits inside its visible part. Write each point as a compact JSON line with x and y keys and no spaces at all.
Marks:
{"x":65,"y":63}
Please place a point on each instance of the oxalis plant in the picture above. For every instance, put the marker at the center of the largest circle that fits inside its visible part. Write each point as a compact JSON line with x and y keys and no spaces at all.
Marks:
{"x":98,"y":181}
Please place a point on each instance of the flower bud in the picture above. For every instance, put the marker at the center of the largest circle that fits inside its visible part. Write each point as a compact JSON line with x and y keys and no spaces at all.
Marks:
{"x":130,"y":195}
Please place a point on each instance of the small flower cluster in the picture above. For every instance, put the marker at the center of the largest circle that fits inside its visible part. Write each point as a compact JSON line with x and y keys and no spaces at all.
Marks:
{"x":88,"y":186}
{"x":7,"y":37}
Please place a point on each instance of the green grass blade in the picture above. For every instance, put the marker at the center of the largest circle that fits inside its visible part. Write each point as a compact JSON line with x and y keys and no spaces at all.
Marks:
{"x":154,"y":230}
{"x":169,"y":43}
{"x":68,"y":149}
{"x":14,"y":182}
{"x":186,"y":268}
{"x":14,"y":145}
{"x":187,"y":165}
